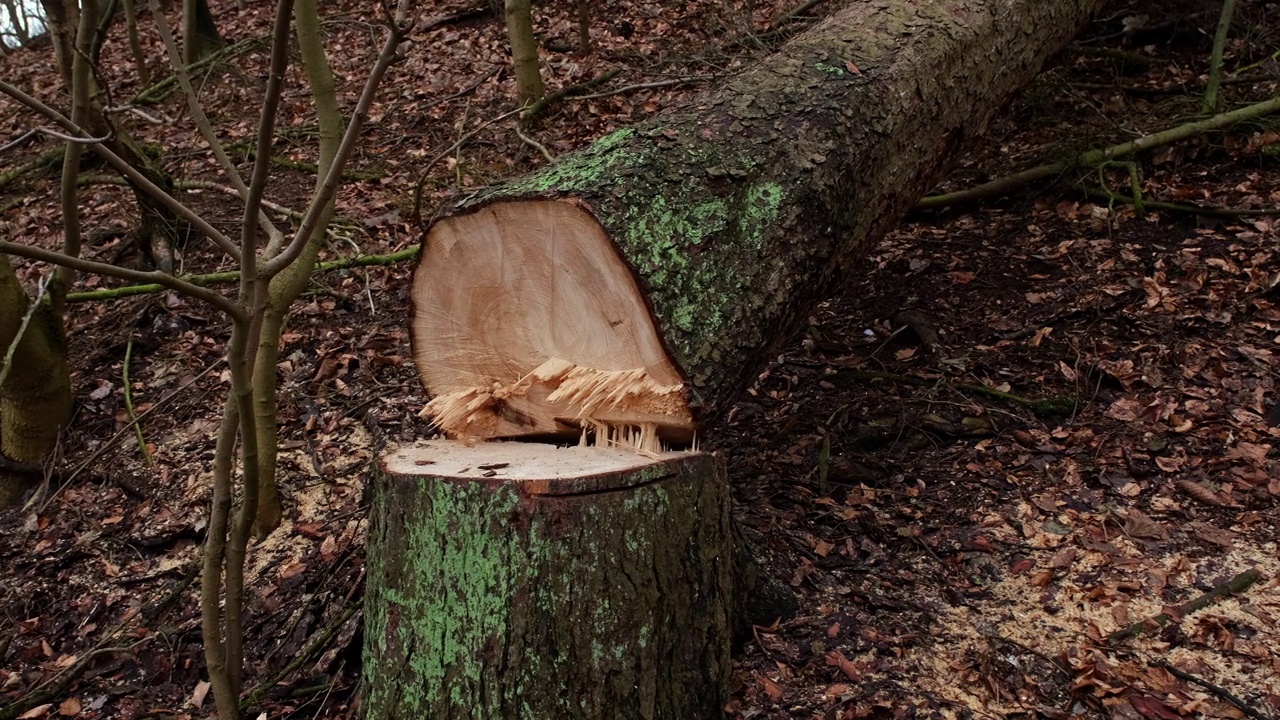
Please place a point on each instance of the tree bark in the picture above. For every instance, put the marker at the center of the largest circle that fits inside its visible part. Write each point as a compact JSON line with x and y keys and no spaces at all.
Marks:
{"x":199,"y":31}
{"x":730,"y":217}
{"x":524,"y":580}
{"x":524,"y":52}
{"x":35,"y":399}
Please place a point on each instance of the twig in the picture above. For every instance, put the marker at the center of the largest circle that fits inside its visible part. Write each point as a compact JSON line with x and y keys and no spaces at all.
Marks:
{"x":1234,"y":586}
{"x":1041,"y":406}
{"x":159,"y":90}
{"x":111,"y":440}
{"x":196,"y":185}
{"x":230,"y":276}
{"x":128,"y":405}
{"x":791,"y":15}
{"x":646,"y":86}
{"x":1096,"y":157}
{"x":535,"y":144}
{"x":125,"y":168}
{"x":302,"y":656}
{"x":539,"y":108}
{"x":1113,"y":54}
{"x":422,"y":176}
{"x":777,"y":27}
{"x":53,"y":134}
{"x":202,"y":120}
{"x":99,"y":268}
{"x":1221,"y":692}
{"x":1189,"y":209}
{"x":22,"y":330}
{"x":59,"y":683}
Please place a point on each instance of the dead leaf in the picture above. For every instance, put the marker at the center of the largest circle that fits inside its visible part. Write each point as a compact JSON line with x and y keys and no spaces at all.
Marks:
{"x":1063,"y":559}
{"x":1217,"y":536}
{"x":1139,"y":525}
{"x":1125,"y":409}
{"x":69,"y":707}
{"x":1152,"y":708}
{"x":772,"y":689}
{"x":836,"y":690}
{"x":836,"y":659}
{"x":1067,"y":371}
{"x":197,"y":697}
{"x":38,"y":711}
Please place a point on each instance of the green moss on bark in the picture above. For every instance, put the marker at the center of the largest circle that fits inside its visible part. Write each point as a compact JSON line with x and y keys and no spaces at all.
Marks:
{"x":484,"y":602}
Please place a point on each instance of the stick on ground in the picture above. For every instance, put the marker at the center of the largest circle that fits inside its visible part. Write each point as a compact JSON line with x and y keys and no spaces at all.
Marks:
{"x":1234,"y":586}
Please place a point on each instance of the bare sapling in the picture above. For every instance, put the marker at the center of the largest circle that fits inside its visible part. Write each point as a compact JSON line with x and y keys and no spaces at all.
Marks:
{"x":273,"y":268}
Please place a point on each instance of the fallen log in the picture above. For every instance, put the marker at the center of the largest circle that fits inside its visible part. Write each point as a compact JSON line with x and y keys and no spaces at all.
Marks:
{"x":635,"y":287}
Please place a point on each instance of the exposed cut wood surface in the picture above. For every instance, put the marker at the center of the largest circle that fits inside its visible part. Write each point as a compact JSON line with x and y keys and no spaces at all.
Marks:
{"x":539,"y":468}
{"x":527,"y":322}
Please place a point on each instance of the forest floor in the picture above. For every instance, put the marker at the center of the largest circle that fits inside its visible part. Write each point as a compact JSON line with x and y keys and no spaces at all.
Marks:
{"x":1078,"y":430}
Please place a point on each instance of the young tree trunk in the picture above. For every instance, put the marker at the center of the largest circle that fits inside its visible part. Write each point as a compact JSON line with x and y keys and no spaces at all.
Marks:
{"x":584,"y":27}
{"x":199,"y":31}
{"x":524,"y":51}
{"x":286,"y":286}
{"x":520,"y":580}
{"x":135,"y":44}
{"x":62,"y":17}
{"x":641,"y":281}
{"x":35,"y":399}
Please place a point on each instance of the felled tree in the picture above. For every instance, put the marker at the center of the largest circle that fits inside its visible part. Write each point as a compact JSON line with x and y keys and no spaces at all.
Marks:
{"x":641,"y":281}
{"x":624,"y":296}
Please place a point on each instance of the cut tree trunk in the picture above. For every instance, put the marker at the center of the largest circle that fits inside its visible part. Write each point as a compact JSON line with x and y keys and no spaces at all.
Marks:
{"x":522,"y":580}
{"x":642,"y":281}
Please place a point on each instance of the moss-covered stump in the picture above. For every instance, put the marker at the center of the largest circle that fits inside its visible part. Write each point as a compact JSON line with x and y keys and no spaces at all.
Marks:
{"x":520,"y":580}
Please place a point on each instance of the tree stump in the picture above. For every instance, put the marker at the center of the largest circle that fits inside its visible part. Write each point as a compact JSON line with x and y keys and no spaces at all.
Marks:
{"x":521,"y":580}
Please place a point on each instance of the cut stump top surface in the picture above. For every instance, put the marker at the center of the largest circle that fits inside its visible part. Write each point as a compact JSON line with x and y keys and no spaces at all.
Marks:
{"x":547,"y":469}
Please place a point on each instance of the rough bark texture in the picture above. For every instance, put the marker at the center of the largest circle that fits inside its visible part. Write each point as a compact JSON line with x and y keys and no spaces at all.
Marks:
{"x":35,"y":401}
{"x":604,"y":596}
{"x":742,"y":209}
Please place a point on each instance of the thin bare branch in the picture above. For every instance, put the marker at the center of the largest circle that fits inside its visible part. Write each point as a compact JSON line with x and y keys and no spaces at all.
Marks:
{"x":201,"y":119}
{"x":329,"y":187}
{"x":266,"y":136}
{"x":120,"y":164}
{"x":137,"y":276}
{"x":53,"y":134}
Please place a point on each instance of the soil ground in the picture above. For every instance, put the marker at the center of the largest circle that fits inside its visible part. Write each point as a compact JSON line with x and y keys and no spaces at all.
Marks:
{"x":1021,"y":428}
